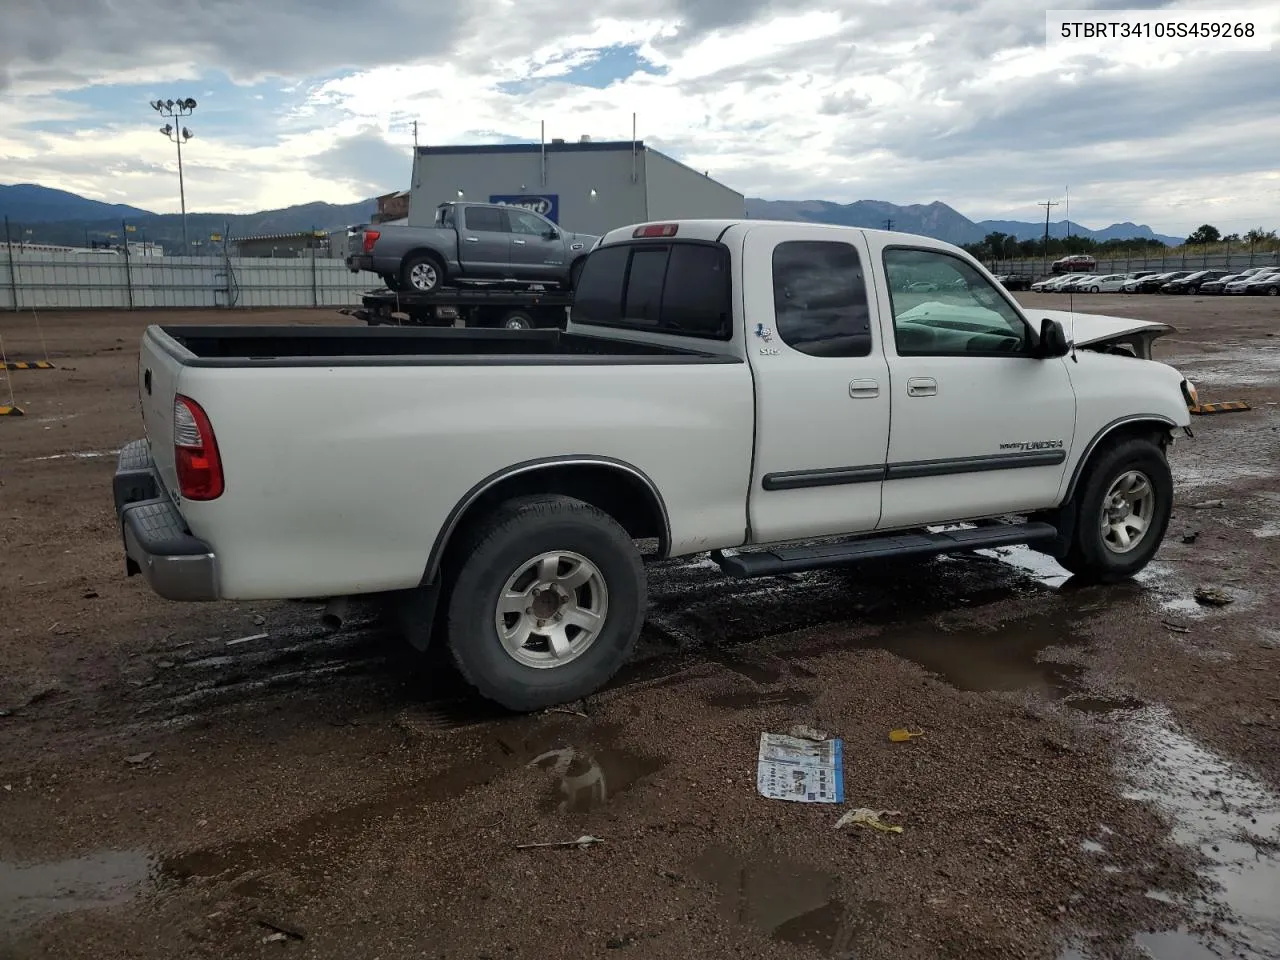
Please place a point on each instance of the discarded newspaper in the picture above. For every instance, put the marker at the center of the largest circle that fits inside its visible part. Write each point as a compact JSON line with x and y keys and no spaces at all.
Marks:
{"x":792,"y":769}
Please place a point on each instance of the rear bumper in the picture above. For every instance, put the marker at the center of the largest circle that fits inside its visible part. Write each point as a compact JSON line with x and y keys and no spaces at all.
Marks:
{"x":380,"y":265}
{"x":157,"y":543}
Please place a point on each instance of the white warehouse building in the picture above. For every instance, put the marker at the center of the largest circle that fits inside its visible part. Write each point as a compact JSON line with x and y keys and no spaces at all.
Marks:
{"x":588,"y":187}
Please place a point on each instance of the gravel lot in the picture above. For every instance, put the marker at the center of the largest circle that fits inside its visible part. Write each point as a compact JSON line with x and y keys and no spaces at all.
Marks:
{"x":1098,"y":775}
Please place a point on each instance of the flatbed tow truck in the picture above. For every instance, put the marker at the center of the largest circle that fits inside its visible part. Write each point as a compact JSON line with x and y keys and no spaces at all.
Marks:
{"x":513,"y":308}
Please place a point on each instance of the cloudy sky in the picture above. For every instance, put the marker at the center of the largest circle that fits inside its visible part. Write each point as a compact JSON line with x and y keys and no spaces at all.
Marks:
{"x":901,"y":100}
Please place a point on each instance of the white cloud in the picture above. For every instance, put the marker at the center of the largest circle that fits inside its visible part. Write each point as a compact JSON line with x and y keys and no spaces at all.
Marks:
{"x":908,"y":101}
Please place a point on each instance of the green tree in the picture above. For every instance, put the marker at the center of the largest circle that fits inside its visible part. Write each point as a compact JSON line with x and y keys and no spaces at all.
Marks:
{"x":1258,"y":235}
{"x":1205,"y":233}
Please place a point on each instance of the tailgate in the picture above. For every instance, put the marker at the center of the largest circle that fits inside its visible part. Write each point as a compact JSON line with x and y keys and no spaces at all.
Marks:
{"x":159,"y":368}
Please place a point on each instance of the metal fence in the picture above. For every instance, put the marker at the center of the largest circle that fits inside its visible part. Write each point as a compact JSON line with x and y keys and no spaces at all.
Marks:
{"x":59,"y":281}
{"x":1178,"y":260}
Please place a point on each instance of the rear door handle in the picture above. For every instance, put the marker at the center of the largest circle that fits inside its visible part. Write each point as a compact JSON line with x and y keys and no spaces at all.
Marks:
{"x":864,"y":389}
{"x":922,"y":387}
{"x":521,"y":242}
{"x":472,"y":239}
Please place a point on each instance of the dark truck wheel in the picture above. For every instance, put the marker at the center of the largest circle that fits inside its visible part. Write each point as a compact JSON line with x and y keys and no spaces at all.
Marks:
{"x":1124,"y":503}
{"x":516,"y":320}
{"x":421,"y":273}
{"x":547,"y":604}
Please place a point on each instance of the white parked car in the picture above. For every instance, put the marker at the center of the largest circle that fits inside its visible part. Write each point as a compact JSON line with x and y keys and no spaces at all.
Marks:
{"x":1047,"y":286}
{"x":1111,"y":283}
{"x":1237,"y":287}
{"x":734,"y":387}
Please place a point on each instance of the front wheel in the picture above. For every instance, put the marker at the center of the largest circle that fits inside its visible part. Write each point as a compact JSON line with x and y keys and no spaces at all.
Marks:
{"x":1094,"y":288}
{"x":516,"y":320}
{"x":1124,"y":504}
{"x":547,"y":604}
{"x":1273,"y":290}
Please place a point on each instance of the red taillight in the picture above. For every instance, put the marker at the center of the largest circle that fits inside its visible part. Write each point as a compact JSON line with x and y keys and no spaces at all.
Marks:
{"x":370,"y":238}
{"x":656,"y":230}
{"x":195,"y":451}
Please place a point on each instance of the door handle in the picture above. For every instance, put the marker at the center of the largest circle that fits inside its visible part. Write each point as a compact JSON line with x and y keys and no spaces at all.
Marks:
{"x":472,"y":239}
{"x":521,"y":242}
{"x":864,"y":389}
{"x":922,"y":387}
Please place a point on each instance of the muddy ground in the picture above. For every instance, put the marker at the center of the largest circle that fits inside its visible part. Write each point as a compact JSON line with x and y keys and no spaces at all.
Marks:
{"x":1098,"y":774}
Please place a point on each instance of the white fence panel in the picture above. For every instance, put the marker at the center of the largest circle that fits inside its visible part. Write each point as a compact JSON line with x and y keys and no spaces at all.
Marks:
{"x":55,"y":281}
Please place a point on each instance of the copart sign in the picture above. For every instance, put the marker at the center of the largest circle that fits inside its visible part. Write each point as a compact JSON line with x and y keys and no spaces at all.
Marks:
{"x":547,"y":204}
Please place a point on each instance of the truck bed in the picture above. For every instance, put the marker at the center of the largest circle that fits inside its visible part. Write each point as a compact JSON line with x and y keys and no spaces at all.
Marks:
{"x":299,"y":346}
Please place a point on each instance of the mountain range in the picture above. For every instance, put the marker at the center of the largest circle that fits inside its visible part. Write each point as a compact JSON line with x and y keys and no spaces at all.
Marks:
{"x":57,"y":216}
{"x":938,"y":220}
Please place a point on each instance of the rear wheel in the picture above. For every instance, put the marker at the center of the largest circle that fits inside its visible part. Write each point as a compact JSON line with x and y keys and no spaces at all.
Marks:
{"x":547,"y":604}
{"x":1124,"y":503}
{"x":1273,"y":290}
{"x":422,"y":273}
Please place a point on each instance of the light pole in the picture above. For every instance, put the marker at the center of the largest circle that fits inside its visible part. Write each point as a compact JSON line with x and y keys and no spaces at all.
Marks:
{"x":176,"y":110}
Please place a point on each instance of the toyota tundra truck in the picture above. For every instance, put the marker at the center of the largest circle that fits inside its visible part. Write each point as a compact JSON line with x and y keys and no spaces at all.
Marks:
{"x":781,"y":396}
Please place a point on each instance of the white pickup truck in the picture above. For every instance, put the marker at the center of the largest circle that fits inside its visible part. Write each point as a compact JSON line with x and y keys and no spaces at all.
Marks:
{"x":784,"y":396}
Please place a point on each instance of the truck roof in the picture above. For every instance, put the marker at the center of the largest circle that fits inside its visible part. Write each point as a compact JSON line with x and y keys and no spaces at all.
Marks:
{"x":714,"y":229}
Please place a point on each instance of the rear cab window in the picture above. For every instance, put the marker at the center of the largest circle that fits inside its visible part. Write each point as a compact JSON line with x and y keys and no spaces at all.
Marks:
{"x":671,"y":286}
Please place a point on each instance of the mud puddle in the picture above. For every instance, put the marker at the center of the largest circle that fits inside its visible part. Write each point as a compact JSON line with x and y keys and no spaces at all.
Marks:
{"x":1037,"y":655}
{"x":786,"y":900}
{"x":589,"y":778}
{"x":30,"y":893}
{"x":584,"y":772}
{"x":1233,"y":819}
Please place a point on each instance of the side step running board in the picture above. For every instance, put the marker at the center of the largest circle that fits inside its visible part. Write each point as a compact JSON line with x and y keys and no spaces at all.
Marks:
{"x":766,"y":563}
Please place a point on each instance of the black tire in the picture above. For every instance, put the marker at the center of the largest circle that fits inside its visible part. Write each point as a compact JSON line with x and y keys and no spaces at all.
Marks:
{"x":575,"y":272}
{"x":516,"y":320}
{"x":1273,"y":290}
{"x":1089,"y":557}
{"x":426,"y":281}
{"x":518,"y":532}
{"x":1094,"y":288}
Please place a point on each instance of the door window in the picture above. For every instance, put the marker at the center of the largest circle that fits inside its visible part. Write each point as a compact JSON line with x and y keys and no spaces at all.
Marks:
{"x":526,"y":223}
{"x":486,"y":220}
{"x":820,"y":298}
{"x":944,"y":307}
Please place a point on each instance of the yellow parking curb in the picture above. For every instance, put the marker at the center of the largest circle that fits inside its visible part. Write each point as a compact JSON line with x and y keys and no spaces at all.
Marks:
{"x":1225,"y":406}
{"x":29,"y":365}
{"x":12,"y":412}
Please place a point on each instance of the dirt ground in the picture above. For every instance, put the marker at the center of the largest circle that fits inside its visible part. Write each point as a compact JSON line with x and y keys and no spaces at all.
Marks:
{"x":1098,"y":775}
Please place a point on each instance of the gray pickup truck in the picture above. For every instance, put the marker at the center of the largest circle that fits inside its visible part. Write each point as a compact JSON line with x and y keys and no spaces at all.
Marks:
{"x":469,"y":242}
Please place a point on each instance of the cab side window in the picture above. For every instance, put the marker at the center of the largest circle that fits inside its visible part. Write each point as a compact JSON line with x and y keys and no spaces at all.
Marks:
{"x":943,"y":307}
{"x":820,"y":298}
{"x":526,"y":223}
{"x":486,"y":220}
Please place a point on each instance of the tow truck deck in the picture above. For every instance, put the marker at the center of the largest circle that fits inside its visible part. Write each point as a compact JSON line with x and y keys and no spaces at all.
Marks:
{"x":516,"y":308}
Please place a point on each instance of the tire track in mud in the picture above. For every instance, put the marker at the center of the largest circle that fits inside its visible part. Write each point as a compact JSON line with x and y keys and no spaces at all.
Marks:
{"x":696,"y":616}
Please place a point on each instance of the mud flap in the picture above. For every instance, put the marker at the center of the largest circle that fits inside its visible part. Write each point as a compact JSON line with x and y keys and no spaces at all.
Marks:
{"x":415,"y":613}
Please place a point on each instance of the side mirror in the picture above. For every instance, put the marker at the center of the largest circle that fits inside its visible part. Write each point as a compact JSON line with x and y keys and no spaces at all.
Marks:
{"x":1053,"y":339}
{"x":552,"y":234}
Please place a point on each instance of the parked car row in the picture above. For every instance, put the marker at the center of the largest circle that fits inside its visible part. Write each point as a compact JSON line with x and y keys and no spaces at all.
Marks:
{"x":1254,"y":280}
